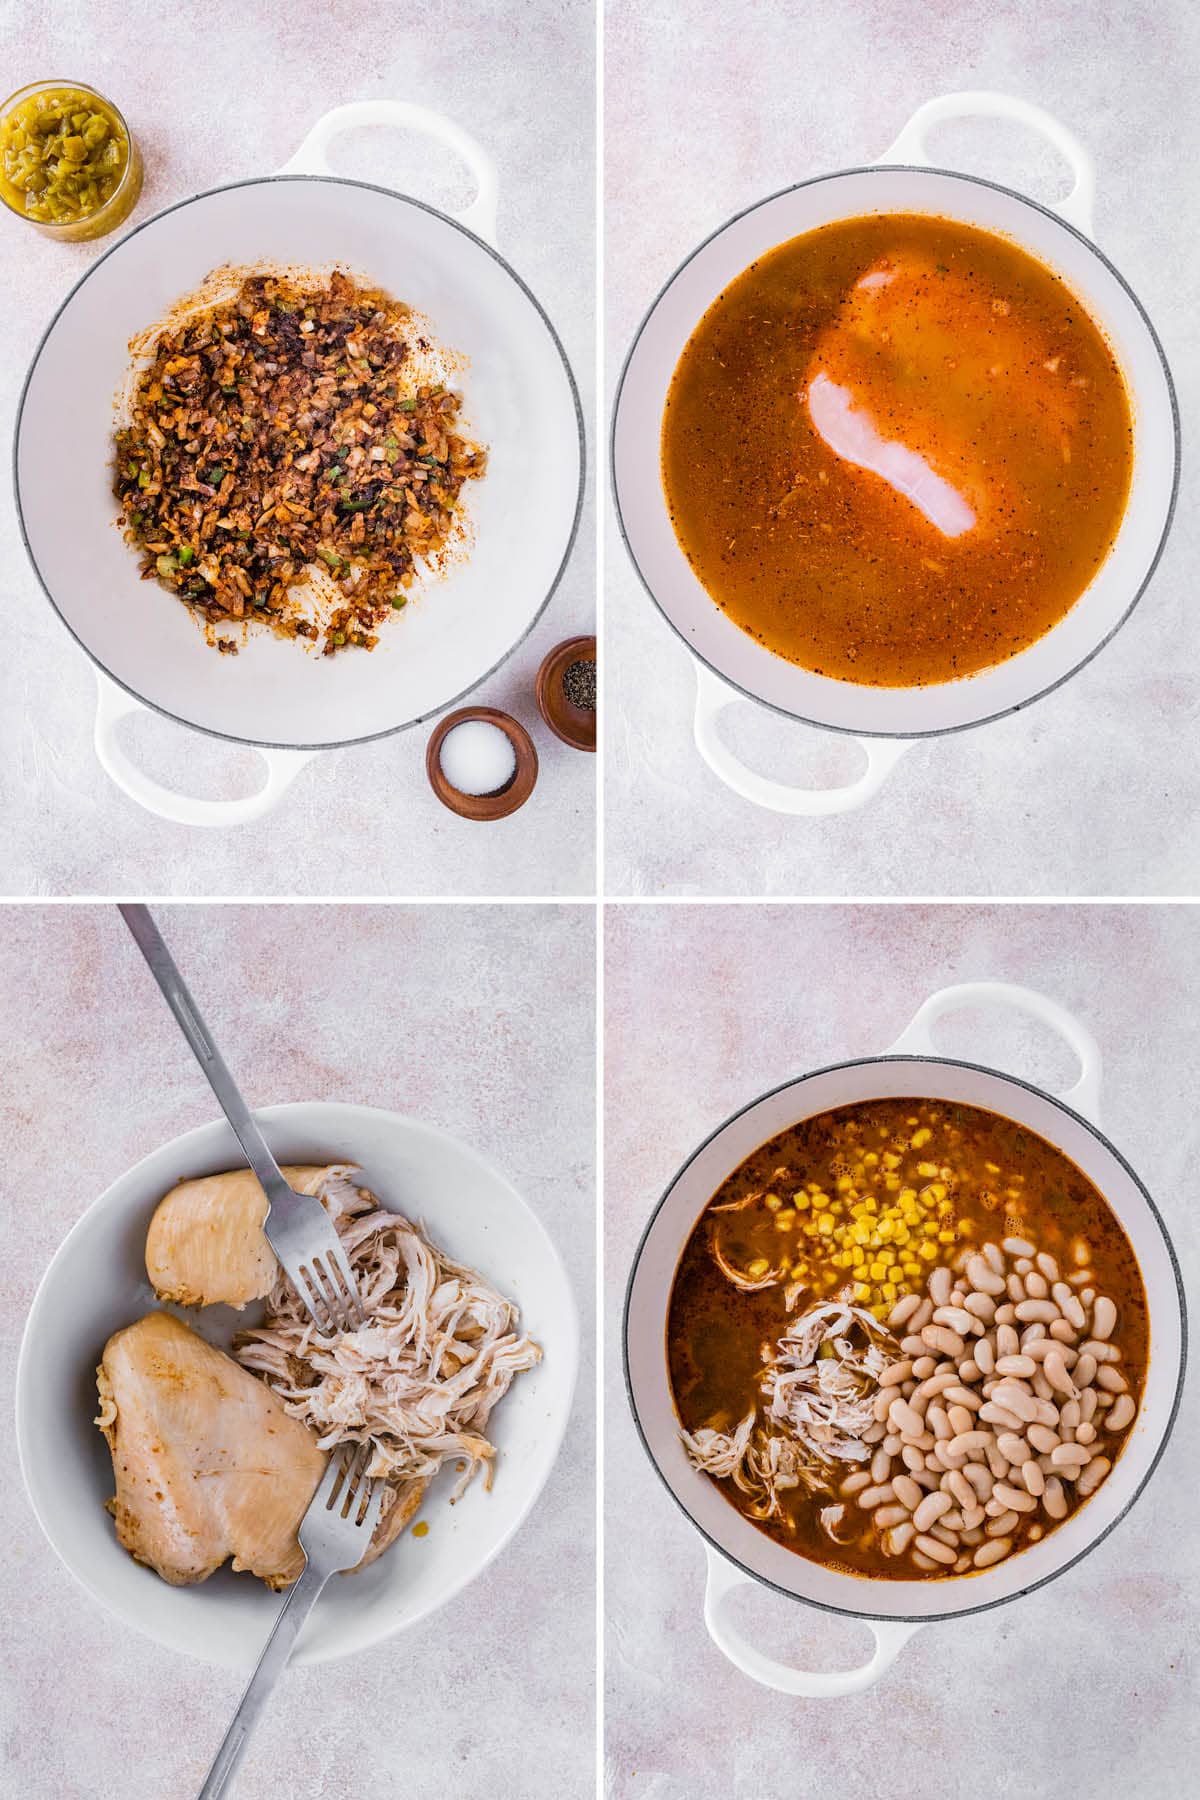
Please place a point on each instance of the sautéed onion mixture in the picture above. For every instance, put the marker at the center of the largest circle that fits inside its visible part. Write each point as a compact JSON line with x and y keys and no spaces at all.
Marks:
{"x":907,"y":1338}
{"x":896,"y":450}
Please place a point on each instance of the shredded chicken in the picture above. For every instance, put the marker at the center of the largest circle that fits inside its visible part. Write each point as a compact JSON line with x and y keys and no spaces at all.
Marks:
{"x":420,"y":1379}
{"x":818,"y":1402}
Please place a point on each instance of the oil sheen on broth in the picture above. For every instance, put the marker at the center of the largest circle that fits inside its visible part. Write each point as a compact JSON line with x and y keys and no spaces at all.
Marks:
{"x":896,"y":450}
{"x":837,"y":1175}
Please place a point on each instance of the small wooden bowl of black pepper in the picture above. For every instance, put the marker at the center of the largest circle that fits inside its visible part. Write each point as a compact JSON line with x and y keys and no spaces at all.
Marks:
{"x":566,"y":692}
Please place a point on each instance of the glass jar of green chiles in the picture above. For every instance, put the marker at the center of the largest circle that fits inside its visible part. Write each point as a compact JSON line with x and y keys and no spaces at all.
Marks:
{"x":67,"y":161}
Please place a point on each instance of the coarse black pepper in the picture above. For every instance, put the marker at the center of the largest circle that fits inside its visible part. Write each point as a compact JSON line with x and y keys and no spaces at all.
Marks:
{"x":579,"y":684}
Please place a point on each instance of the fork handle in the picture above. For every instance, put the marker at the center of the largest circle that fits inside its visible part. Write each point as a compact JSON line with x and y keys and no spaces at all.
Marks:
{"x":149,"y":941}
{"x":271,"y":1664}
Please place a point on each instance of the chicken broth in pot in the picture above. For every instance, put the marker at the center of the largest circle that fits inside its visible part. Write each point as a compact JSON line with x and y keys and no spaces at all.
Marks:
{"x":897,"y":449}
{"x":907,"y":1338}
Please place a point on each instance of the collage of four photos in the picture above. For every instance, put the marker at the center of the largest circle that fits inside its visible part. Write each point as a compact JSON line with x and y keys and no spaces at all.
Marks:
{"x":600,"y":939}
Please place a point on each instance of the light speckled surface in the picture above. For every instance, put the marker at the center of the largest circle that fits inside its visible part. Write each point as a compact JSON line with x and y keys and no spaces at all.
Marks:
{"x":225,"y":92}
{"x":1090,"y":792}
{"x":1088,"y":1686}
{"x":479,"y":1019}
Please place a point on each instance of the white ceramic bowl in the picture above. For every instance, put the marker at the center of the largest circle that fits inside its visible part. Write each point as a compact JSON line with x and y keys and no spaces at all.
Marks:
{"x":97,"y":1283}
{"x":519,"y":400}
{"x":731,"y":663}
{"x":738,"y":1552}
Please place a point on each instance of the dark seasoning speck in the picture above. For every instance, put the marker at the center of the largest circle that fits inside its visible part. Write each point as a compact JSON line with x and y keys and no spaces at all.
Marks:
{"x":579,"y":684}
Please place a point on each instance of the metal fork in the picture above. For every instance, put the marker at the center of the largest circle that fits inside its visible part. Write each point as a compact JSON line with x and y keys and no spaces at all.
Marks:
{"x":297,"y":1227}
{"x":334,"y":1534}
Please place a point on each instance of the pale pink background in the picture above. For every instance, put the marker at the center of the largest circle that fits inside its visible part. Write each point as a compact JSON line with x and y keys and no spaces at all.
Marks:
{"x":1087,"y":1687}
{"x":479,"y":1019}
{"x":709,"y":109}
{"x":216,"y":92}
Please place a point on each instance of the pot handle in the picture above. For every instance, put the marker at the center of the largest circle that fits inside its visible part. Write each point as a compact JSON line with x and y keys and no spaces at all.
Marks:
{"x":406,"y":115}
{"x":713,"y":696}
{"x":909,"y":147}
{"x":917,"y":1038}
{"x":891,"y":1635}
{"x":113,"y":704}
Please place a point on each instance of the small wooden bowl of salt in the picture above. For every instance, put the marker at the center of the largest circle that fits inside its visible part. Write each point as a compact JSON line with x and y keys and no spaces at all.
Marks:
{"x":481,"y":763}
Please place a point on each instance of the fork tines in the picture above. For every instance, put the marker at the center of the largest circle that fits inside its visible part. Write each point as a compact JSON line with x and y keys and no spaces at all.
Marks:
{"x":326,"y":1285}
{"x":347,"y":1491}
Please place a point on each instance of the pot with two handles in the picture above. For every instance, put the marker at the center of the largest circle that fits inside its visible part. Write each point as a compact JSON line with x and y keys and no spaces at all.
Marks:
{"x":738,"y":1553}
{"x":520,"y":401}
{"x":730,"y":663}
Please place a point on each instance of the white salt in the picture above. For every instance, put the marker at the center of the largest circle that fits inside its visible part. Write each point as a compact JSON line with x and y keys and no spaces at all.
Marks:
{"x":477,"y":757}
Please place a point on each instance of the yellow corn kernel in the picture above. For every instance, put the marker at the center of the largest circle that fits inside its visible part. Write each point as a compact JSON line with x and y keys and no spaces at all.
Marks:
{"x":891,"y":1183}
{"x":801,"y":1200}
{"x":774,"y":1202}
{"x":930,"y":1228}
{"x":876,"y":1271}
{"x":947,"y":1237}
{"x":928,"y":1250}
{"x":825,"y":1223}
{"x":921,"y":1137}
{"x":858,"y":1257}
{"x":758,"y":1267}
{"x":891,"y":1160}
{"x":885,"y":1230}
{"x":936,"y":1190}
{"x":913,"y":1270}
{"x":861,"y":1291}
{"x":844,"y":1184}
{"x":992,"y":1168}
{"x":927,"y":1169}
{"x":966,"y":1228}
{"x":887,"y":1258}
{"x":785,"y":1221}
{"x":901,"y":1234}
{"x":880,"y":1311}
{"x":889,"y":1290}
{"x":871,"y":1160}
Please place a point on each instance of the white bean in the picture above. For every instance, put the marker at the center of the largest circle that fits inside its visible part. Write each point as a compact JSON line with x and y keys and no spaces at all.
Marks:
{"x":983,"y":1277}
{"x":903,"y":1310}
{"x":987,"y":1554}
{"x":1002,"y":1523}
{"x":907,"y":1491}
{"x":931,"y":1509}
{"x":940,"y":1283}
{"x":1017,"y":1246}
{"x":1054,"y":1499}
{"x":1016,"y":1499}
{"x":937,"y":1552}
{"x":1121,"y":1413}
{"x":1104,"y":1317}
{"x":1093,"y":1475}
{"x":1016,"y":1365}
{"x":1031,"y":1475}
{"x":1043,"y":1310}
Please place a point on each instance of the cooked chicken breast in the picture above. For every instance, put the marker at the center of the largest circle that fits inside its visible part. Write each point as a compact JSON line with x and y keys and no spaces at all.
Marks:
{"x":207,"y":1463}
{"x":206,"y":1243}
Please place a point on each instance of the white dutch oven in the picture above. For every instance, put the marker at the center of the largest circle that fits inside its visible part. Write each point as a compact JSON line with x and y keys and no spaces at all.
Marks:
{"x":738,"y":1553}
{"x":887,"y":721}
{"x":520,"y":400}
{"x":97,"y":1283}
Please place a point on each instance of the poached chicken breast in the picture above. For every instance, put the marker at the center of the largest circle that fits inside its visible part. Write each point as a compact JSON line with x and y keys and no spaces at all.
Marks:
{"x":206,"y":1245}
{"x":207,"y":1463}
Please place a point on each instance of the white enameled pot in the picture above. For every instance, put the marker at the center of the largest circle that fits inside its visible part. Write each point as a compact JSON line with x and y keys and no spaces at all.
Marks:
{"x":519,"y":399}
{"x":738,"y":1553}
{"x":887,"y":721}
{"x":97,"y":1283}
